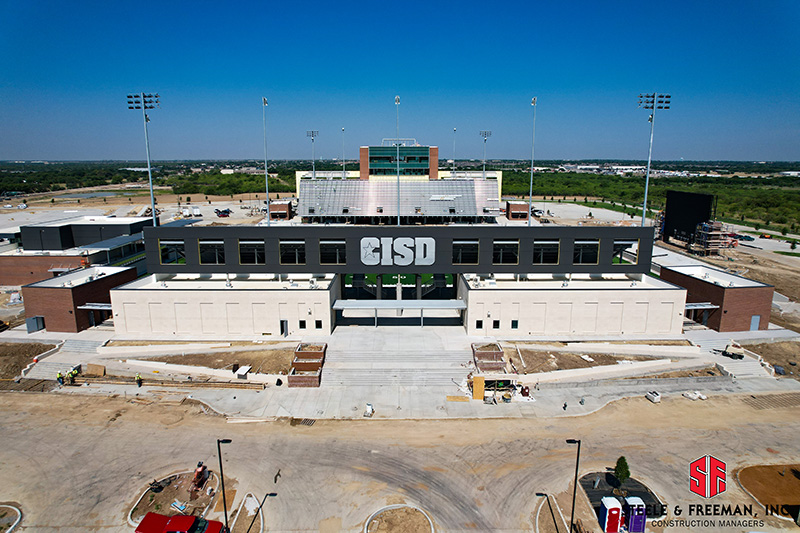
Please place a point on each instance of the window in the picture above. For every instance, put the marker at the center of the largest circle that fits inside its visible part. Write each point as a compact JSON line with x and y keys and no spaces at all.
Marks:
{"x":332,"y":253}
{"x":293,"y":252}
{"x":465,"y":252}
{"x":545,"y":252}
{"x":172,"y":252}
{"x":505,"y":252}
{"x":495,"y":324}
{"x":515,"y":324}
{"x":479,"y":324}
{"x":620,"y":247}
{"x":252,"y":253}
{"x":586,"y":253}
{"x":302,"y":324}
{"x":212,"y":252}
{"x":318,"y":324}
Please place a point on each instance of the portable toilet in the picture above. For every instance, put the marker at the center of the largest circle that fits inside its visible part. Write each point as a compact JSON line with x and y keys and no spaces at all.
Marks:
{"x":610,"y":515}
{"x":635,"y":514}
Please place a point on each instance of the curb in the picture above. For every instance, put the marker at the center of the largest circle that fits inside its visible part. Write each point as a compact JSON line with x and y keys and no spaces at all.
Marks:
{"x":19,"y":516}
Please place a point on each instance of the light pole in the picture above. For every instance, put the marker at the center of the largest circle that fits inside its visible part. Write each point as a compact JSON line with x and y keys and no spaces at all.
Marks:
{"x":266,"y":169}
{"x":533,"y":143}
{"x":485,"y":134}
{"x":575,"y":483}
{"x":222,"y":480}
{"x":651,"y":101}
{"x":344,"y":172}
{"x":145,"y":101}
{"x":313,"y":134}
{"x":454,"y":152}
{"x":397,"y":157}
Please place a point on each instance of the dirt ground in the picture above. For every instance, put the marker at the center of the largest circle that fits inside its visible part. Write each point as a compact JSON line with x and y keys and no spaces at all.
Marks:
{"x":537,"y":361}
{"x":176,"y":489}
{"x":509,"y":459}
{"x":773,"y":484}
{"x":263,"y":361}
{"x":180,"y":343}
{"x":551,"y":521}
{"x":402,"y":520}
{"x":17,"y":355}
{"x":708,"y":371}
{"x":782,"y":354}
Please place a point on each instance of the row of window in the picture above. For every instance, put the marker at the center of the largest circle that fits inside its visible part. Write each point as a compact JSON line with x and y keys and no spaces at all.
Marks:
{"x":331,"y":252}
{"x":496,"y":324}
{"x":317,"y":324}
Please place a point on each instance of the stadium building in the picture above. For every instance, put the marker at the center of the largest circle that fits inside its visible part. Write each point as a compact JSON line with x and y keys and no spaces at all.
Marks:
{"x":449,"y":262}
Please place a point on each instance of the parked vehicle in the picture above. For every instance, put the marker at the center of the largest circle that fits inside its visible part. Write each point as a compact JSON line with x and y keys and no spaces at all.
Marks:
{"x":223,"y":213}
{"x":186,"y":212}
{"x":159,"y":523}
{"x":196,"y":211}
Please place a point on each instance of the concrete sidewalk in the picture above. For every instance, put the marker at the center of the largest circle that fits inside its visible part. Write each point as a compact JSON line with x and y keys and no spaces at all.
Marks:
{"x":403,"y":402}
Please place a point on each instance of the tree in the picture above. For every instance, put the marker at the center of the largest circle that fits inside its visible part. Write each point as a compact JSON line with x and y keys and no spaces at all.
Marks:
{"x":784,"y":231}
{"x":621,"y":470}
{"x":793,"y":246}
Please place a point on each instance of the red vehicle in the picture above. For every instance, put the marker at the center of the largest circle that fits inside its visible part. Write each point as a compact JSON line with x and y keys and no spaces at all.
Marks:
{"x":158,"y":523}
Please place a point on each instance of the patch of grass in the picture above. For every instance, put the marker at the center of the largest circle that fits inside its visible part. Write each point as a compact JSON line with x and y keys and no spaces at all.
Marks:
{"x":792,"y":254}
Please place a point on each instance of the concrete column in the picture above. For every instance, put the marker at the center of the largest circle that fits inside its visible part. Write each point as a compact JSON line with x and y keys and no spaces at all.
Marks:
{"x":379,"y":287}
{"x":399,"y":294}
{"x":419,"y":286}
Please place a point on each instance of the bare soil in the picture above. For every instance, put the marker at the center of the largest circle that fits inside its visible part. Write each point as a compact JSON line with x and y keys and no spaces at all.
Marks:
{"x":179,"y":343}
{"x":782,"y":354}
{"x":263,"y":361}
{"x":702,"y":372}
{"x":310,"y":347}
{"x":177,"y":489}
{"x":773,"y":484}
{"x":402,"y":520}
{"x":491,"y":347}
{"x":537,"y":361}
{"x":14,"y":357}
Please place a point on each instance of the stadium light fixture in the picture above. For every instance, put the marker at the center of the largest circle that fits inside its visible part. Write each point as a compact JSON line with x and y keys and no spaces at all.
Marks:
{"x":485,"y":134}
{"x":145,"y":101}
{"x":266,"y":167}
{"x":651,"y":101}
{"x":397,"y":157}
{"x":533,"y":141}
{"x":313,"y":134}
{"x":344,"y":171}
{"x":454,"y":153}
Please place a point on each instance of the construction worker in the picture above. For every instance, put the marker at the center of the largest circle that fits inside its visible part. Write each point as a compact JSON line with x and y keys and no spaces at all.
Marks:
{"x":71,"y":377}
{"x":60,"y":378}
{"x":138,"y":380}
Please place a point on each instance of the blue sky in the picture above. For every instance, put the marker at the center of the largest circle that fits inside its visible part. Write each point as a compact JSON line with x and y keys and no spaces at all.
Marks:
{"x":733,"y":69}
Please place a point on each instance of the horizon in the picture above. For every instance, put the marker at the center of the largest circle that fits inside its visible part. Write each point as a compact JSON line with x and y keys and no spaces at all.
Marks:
{"x":731,"y":73}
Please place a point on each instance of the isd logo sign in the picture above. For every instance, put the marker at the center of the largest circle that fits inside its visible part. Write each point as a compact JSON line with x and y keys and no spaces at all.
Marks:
{"x":707,"y":476}
{"x":398,"y":251}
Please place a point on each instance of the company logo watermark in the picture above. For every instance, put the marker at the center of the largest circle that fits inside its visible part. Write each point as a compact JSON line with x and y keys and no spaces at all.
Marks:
{"x":707,"y":476}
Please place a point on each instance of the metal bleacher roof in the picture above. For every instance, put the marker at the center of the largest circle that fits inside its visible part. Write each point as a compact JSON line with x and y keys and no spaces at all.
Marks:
{"x":370,"y":198}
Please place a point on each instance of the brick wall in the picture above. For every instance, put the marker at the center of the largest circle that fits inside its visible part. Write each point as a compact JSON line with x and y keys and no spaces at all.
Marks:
{"x":59,"y":305}
{"x":304,"y":380}
{"x":25,"y":269}
{"x":434,"y":162}
{"x":736,"y":304}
